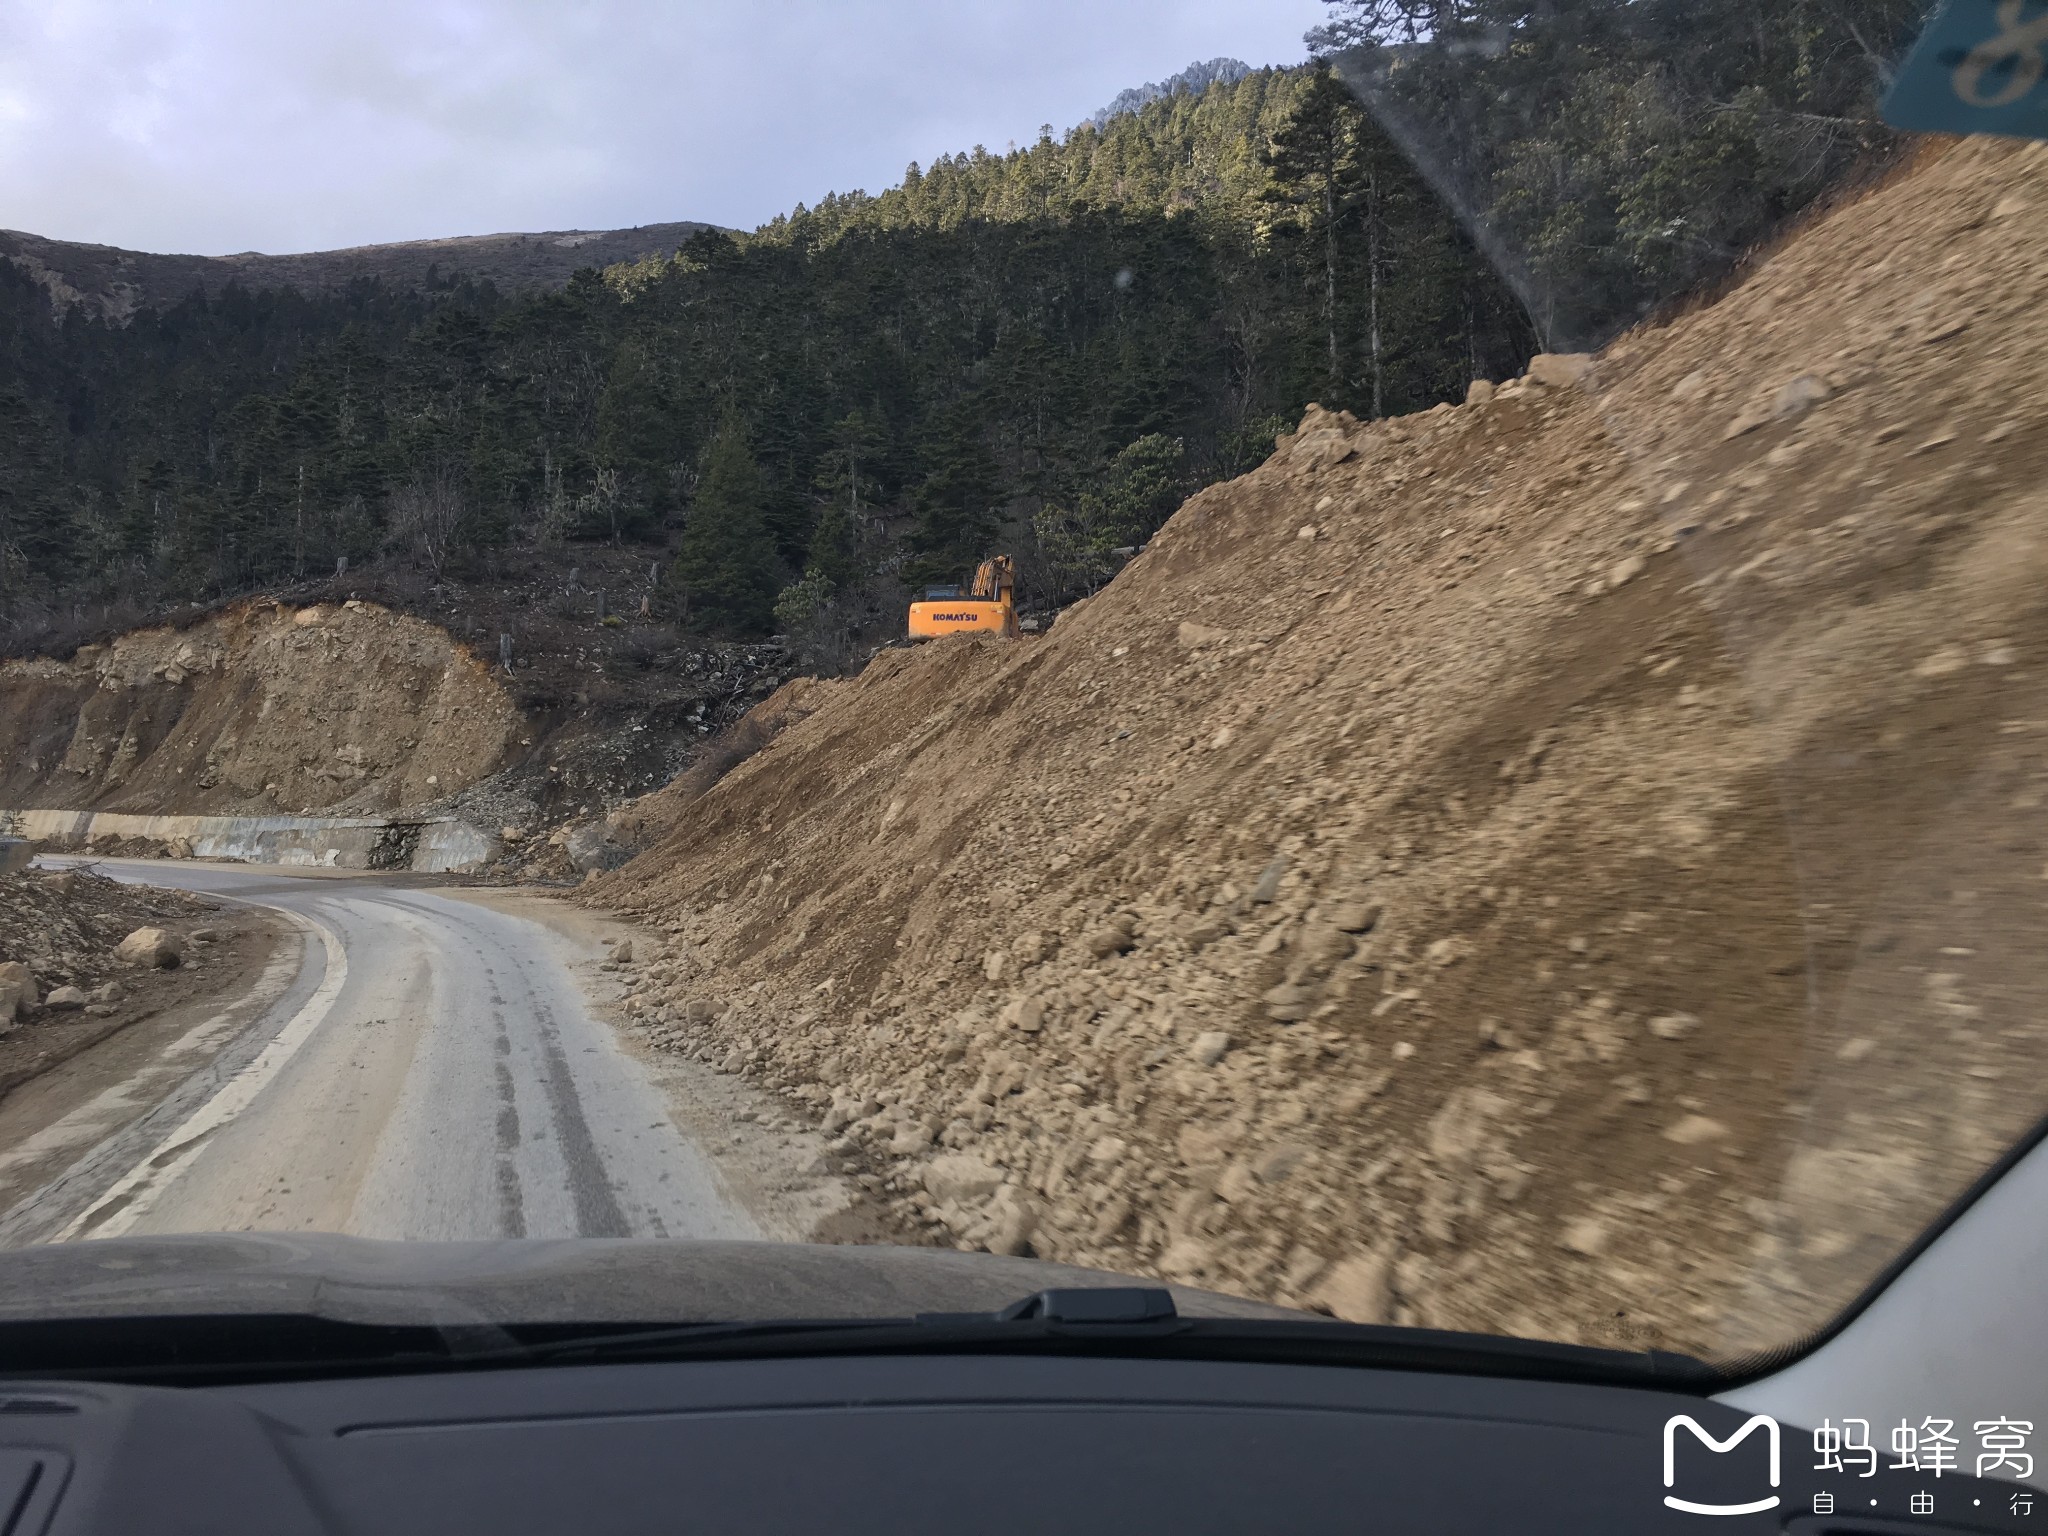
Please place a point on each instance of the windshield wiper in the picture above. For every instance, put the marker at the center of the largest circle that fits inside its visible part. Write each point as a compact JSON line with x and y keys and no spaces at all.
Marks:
{"x":1110,"y":1322}
{"x":1130,"y":1322}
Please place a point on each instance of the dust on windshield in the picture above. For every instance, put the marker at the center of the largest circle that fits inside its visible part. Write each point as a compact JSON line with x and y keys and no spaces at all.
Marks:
{"x":1480,"y":768}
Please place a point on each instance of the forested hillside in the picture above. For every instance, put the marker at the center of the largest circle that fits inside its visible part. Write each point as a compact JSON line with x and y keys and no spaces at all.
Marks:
{"x":1043,"y":350}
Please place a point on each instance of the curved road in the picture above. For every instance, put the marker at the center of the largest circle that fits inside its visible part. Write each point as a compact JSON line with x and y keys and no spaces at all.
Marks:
{"x":430,"y":1071}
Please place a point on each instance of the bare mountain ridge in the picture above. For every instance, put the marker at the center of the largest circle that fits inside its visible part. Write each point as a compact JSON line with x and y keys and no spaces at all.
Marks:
{"x":113,"y":283}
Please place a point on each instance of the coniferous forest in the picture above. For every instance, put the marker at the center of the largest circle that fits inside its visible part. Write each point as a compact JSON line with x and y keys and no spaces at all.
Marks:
{"x":1041,"y":350}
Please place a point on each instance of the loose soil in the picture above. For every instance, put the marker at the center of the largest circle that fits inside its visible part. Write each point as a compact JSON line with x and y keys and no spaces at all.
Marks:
{"x":65,"y":924}
{"x":1569,"y":864}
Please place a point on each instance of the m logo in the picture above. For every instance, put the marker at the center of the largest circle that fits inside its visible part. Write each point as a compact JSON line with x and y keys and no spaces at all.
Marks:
{"x":1770,"y":1428}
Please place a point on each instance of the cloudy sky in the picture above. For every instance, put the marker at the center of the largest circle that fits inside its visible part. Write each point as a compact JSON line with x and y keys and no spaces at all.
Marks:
{"x":213,"y":126}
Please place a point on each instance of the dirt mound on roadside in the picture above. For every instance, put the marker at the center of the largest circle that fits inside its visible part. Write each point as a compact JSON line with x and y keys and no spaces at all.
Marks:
{"x":341,"y":708}
{"x":1547,"y":865}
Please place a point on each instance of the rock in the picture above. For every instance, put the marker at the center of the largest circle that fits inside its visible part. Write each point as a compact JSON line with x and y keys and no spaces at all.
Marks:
{"x":1693,"y":1130}
{"x":177,"y":847}
{"x":1944,"y":662}
{"x":623,"y":953}
{"x":1307,"y":533}
{"x":1357,"y":1289}
{"x":1289,"y":1003}
{"x":1674,"y":1026}
{"x":1030,"y":946}
{"x":16,"y":996}
{"x":1355,"y":916}
{"x":1111,"y":1219}
{"x":1323,"y":946}
{"x":1691,"y":387}
{"x":735,"y":1061}
{"x":1303,"y":1265}
{"x":1479,"y":392}
{"x":962,"y":1178}
{"x":590,"y":847}
{"x":1268,"y":885}
{"x":1107,"y":1151}
{"x":994,"y":964}
{"x":1587,"y":1235}
{"x":512,"y":835}
{"x":1210,"y":1047}
{"x":1104,"y":942}
{"x":1275,"y":1165}
{"x":1744,"y":423}
{"x":700,"y":1010}
{"x":1559,"y":370}
{"x":157,"y":947}
{"x":203,"y":935}
{"x":1026,"y":1014}
{"x":1625,"y":570}
{"x":65,"y":998}
{"x":1200,"y":1145}
{"x":1801,"y":394}
{"x":1016,"y":1221}
{"x":1321,"y":448}
{"x":107,"y":992}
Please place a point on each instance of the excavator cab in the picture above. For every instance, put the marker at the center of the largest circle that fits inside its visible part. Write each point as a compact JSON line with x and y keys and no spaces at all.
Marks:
{"x":988,"y":607}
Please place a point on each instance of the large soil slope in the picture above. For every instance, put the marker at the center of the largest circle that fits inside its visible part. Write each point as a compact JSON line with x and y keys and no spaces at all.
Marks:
{"x":260,"y":708}
{"x":1569,"y":863}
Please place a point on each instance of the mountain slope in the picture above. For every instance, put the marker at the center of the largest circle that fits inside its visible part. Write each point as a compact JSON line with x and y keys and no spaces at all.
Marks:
{"x":112,"y":284}
{"x":1546,"y":865}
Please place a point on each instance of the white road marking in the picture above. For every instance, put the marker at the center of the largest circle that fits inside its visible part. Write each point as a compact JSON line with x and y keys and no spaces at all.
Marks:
{"x":137,"y":1190}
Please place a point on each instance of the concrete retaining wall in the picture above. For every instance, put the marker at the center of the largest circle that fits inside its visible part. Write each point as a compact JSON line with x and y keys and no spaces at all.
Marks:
{"x":331,"y":842}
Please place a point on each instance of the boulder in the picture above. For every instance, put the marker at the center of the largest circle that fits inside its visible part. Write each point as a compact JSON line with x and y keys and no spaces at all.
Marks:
{"x":590,"y":847}
{"x":156,"y":947}
{"x":960,"y":1177}
{"x":1801,"y":394}
{"x":1479,"y":392}
{"x":1104,"y":942}
{"x":1559,"y":370}
{"x":65,"y":999}
{"x":17,"y":991}
{"x":1358,"y":1289}
{"x":1268,"y":886}
{"x":1355,"y":916}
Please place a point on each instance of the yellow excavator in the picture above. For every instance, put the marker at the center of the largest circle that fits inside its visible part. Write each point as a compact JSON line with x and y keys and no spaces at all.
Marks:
{"x":988,"y":607}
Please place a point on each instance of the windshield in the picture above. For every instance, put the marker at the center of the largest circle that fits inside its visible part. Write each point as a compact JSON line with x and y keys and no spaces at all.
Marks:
{"x":1508,"y":800}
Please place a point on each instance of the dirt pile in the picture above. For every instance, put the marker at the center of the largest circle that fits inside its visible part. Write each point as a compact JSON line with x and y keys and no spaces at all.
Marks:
{"x":63,"y":984}
{"x":1568,"y":864}
{"x":263,"y":708}
{"x":608,"y":697}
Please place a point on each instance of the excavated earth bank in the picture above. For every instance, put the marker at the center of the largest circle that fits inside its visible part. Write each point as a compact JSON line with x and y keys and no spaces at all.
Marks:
{"x":1568,"y":864}
{"x":261,"y":709}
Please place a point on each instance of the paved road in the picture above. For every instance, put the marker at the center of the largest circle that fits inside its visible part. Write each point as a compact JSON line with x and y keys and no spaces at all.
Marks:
{"x":430,"y":1072}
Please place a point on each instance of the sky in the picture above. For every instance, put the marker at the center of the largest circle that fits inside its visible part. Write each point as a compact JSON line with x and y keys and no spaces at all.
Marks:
{"x":215,"y":126}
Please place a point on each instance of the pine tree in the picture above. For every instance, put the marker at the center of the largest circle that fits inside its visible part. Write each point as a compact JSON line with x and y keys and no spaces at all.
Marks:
{"x":725,"y":564}
{"x":956,"y":505}
{"x":1318,"y":180}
